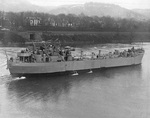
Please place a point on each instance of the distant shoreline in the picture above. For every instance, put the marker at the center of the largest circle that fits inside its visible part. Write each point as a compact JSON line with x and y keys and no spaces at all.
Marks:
{"x":75,"y":45}
{"x":75,"y":38}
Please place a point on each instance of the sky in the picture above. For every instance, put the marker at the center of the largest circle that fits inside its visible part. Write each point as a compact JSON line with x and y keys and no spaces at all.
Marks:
{"x":129,"y":4}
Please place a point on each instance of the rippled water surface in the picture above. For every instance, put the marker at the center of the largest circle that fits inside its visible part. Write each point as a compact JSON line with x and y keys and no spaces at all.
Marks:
{"x":122,"y":92}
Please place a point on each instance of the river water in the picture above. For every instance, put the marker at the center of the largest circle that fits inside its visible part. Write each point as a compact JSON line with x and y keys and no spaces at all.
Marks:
{"x":122,"y":92}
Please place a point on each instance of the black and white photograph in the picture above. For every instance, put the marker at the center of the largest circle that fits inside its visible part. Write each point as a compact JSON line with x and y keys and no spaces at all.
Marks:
{"x":74,"y":59}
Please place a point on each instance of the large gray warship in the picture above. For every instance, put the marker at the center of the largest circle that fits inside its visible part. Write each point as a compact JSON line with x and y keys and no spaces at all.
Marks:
{"x":48,"y":58}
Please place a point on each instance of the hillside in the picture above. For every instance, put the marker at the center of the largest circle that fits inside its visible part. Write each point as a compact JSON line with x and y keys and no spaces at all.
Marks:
{"x":89,"y":9}
{"x":21,"y":5}
{"x":98,"y":9}
{"x":144,"y":12}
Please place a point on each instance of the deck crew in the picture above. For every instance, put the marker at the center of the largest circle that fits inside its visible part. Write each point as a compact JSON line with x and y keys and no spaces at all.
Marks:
{"x":81,"y":56}
{"x":93,"y":55}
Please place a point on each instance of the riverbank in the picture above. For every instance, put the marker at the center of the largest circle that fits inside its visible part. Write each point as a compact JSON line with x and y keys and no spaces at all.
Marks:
{"x":76,"y":38}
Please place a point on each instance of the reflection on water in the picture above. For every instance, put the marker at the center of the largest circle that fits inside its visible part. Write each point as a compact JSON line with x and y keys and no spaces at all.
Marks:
{"x":121,"y":92}
{"x":48,"y":92}
{"x":39,"y":88}
{"x":51,"y":88}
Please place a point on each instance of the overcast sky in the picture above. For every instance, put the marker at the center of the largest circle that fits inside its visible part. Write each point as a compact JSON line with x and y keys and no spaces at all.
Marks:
{"x":130,"y":4}
{"x":124,"y":3}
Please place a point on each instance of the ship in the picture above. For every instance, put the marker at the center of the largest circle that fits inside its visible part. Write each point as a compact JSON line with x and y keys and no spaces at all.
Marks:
{"x":46,"y":58}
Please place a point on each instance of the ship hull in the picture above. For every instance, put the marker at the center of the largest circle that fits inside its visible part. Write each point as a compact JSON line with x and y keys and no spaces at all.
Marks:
{"x":67,"y":66}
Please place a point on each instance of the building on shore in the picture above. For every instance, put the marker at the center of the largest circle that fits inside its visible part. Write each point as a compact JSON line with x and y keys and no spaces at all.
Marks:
{"x":31,"y":35}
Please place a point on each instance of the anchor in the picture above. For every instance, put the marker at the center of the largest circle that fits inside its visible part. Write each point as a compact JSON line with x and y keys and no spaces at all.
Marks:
{"x":21,"y":77}
{"x":90,"y":71}
{"x":75,"y":73}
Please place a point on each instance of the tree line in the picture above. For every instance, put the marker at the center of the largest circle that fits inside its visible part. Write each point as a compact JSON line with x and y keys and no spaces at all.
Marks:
{"x":70,"y":22}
